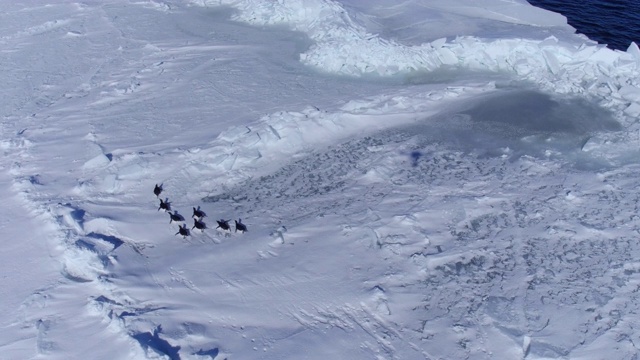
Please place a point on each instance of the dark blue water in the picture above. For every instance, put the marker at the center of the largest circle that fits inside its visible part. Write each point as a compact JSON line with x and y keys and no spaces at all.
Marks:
{"x":612,"y":22}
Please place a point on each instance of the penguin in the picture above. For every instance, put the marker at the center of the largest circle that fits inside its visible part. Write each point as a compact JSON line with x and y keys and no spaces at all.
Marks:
{"x":197,"y":213}
{"x":223,"y":224}
{"x":240,"y":226}
{"x":182,"y":230}
{"x":165,"y":205}
{"x":157,"y":190}
{"x":199,"y":224}
{"x":175,"y":217}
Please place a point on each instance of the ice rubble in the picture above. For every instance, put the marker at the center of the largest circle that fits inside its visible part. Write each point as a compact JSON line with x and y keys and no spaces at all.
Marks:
{"x":342,"y":46}
{"x":572,"y":66}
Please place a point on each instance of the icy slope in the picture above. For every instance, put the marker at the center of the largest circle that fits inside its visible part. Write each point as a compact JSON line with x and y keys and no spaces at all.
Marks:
{"x":470,"y":197}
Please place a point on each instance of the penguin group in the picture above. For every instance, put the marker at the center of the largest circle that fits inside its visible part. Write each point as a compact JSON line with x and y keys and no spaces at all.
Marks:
{"x":198,"y":217}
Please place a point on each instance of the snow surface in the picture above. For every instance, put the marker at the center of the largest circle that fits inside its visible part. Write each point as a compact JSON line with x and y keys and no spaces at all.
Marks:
{"x":420,"y":180}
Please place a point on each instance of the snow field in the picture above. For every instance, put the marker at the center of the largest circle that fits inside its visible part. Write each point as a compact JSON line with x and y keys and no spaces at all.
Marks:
{"x":386,"y":221}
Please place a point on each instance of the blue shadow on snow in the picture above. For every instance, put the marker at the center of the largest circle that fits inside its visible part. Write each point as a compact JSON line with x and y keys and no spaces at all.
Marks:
{"x":148,"y":340}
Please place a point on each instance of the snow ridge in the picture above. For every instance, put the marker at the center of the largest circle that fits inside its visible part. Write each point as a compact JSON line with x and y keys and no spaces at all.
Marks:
{"x":244,"y":151}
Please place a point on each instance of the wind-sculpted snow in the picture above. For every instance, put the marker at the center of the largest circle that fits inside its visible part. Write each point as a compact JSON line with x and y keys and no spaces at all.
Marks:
{"x":481,"y":126}
{"x":494,"y":246}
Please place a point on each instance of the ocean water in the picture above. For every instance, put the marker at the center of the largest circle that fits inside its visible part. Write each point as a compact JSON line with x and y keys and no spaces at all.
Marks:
{"x":612,"y":22}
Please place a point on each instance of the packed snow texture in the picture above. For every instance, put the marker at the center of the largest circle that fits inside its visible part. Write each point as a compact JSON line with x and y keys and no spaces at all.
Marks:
{"x":419,"y":180}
